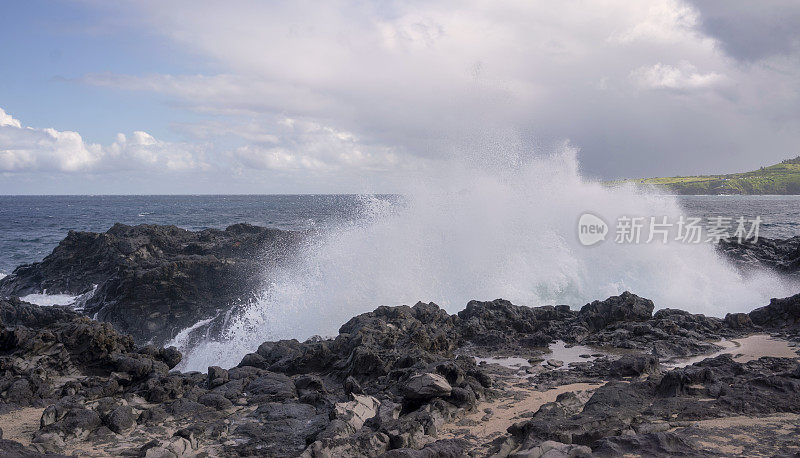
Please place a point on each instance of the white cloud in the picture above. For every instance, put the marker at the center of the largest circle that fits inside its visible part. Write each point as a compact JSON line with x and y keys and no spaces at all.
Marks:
{"x":27,"y":149}
{"x":8,"y":120}
{"x":313,"y":147}
{"x":685,"y":76}
{"x":668,"y":21}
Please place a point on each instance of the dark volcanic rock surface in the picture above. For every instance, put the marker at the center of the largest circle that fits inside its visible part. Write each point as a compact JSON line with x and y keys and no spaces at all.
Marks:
{"x":633,"y":417}
{"x":782,"y":255}
{"x":780,"y":313}
{"x":152,"y":281}
{"x":387,"y":383}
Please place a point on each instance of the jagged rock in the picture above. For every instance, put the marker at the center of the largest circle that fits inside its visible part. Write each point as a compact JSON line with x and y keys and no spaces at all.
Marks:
{"x":738,"y":320}
{"x":634,"y":365}
{"x":779,"y":313}
{"x":49,"y":444}
{"x":625,"y":307}
{"x":426,"y":386}
{"x":152,"y":281}
{"x":281,"y":429}
{"x":782,"y":255}
{"x":320,"y":397}
{"x":271,"y":387}
{"x":217,"y":376}
{"x":215,"y":401}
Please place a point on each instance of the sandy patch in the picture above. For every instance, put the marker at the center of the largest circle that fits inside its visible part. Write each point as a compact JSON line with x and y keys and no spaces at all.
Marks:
{"x":508,"y":410}
{"x":20,"y":425}
{"x":748,"y":436}
{"x":776,"y":421}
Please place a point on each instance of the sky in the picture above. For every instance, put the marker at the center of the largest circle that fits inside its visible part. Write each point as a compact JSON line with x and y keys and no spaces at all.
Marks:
{"x":206,"y":97}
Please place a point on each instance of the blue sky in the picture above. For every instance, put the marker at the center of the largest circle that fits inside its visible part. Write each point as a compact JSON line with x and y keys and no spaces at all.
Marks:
{"x":55,"y":43}
{"x":359,"y":96}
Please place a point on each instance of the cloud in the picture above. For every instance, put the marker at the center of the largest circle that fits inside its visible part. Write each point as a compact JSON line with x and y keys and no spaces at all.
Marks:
{"x":318,"y":148}
{"x":29,"y":149}
{"x":8,"y":120}
{"x":683,"y":77}
{"x":751,"y":31}
{"x":417,"y":81}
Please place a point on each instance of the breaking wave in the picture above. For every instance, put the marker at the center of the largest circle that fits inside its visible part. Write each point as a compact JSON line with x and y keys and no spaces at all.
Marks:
{"x":509,"y":232}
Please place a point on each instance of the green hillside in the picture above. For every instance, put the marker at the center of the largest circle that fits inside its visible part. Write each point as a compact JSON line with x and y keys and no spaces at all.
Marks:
{"x":783,"y":178}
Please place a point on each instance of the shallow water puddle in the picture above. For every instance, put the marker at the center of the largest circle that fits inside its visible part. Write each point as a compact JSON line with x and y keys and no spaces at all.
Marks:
{"x":571,"y":354}
{"x":743,"y":350}
{"x":510,"y":362}
{"x":558,"y":350}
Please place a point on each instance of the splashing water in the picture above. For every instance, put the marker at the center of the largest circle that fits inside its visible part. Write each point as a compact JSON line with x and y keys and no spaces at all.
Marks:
{"x":478,"y":235}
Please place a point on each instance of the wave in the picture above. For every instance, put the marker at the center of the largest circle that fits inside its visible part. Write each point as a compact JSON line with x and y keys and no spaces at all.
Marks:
{"x":509,"y":232}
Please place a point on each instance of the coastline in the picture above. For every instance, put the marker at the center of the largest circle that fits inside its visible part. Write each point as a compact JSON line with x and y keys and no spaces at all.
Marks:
{"x":616,"y":376}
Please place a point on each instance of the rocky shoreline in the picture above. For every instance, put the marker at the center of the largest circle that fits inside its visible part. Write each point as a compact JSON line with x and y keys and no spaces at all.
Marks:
{"x":152,"y":281}
{"x":406,"y":381}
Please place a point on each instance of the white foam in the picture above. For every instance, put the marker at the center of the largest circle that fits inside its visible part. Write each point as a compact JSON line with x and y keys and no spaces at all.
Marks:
{"x":473,"y":234}
{"x":49,"y":300}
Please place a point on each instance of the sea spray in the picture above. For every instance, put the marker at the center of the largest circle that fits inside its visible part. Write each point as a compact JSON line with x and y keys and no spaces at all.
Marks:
{"x":472,"y":234}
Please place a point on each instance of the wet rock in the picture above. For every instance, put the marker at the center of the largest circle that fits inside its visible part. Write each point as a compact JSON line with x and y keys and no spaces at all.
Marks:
{"x":625,"y":307}
{"x":781,"y":255}
{"x":634,"y":365}
{"x":780,"y":313}
{"x":151,"y":280}
{"x":555,"y":363}
{"x":426,"y":386}
{"x":738,"y":320}
{"x":215,"y":401}
{"x":271,"y":387}
{"x":217,"y":376}
{"x":281,"y":429}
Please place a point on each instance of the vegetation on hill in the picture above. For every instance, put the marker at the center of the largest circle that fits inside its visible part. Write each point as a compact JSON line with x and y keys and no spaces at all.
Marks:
{"x":782,"y":178}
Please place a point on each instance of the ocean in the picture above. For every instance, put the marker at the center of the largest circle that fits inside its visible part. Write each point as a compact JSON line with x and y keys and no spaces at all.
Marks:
{"x":496,"y":238}
{"x":31,"y":226}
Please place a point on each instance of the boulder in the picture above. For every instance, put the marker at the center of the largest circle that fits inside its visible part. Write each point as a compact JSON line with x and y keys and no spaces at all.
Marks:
{"x":120,"y":419}
{"x":634,"y":365}
{"x":426,"y":386}
{"x":625,"y":307}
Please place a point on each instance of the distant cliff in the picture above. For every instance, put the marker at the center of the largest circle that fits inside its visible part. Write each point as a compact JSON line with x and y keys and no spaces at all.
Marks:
{"x":782,"y":178}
